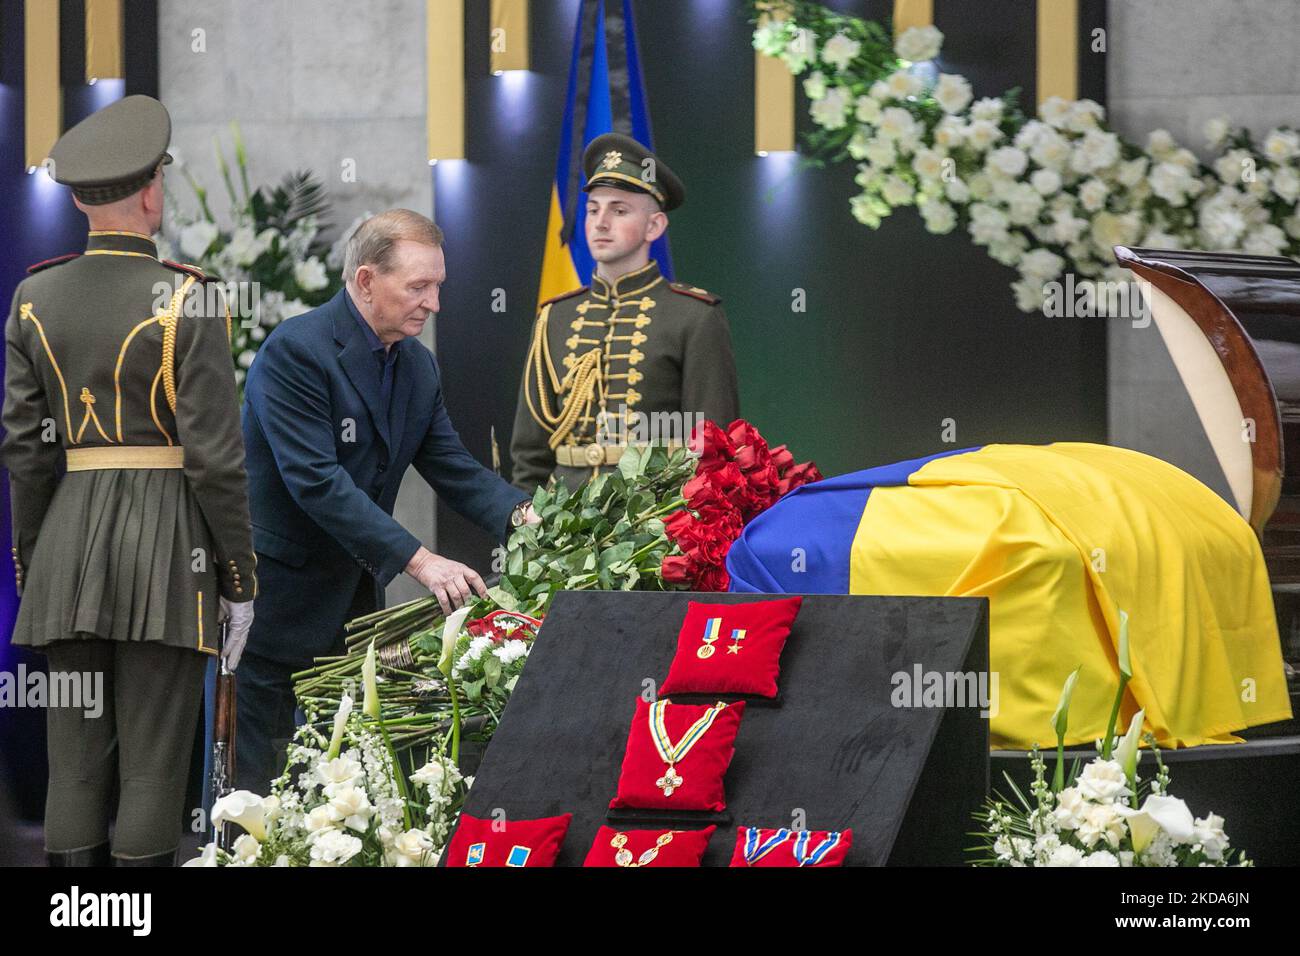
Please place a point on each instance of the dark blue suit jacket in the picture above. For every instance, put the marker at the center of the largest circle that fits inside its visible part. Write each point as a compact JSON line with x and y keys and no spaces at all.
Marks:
{"x":324,"y":468}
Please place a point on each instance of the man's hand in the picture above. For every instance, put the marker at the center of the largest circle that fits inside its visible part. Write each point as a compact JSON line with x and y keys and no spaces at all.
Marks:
{"x":241,"y":619}
{"x":451,"y":582}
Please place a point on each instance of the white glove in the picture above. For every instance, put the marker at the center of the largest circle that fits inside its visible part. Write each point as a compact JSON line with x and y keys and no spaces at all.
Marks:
{"x":240,"y":617}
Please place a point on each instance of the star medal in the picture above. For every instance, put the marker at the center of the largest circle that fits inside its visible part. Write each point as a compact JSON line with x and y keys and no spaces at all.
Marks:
{"x":671,"y":752}
{"x":737,"y":635}
{"x":712,"y":629}
{"x":624,"y":856}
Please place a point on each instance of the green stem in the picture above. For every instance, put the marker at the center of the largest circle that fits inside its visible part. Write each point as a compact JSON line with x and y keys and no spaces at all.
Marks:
{"x":1108,"y":742}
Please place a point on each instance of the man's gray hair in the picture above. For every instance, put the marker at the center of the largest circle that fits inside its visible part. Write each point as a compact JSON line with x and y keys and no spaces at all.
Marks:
{"x":372,"y":243}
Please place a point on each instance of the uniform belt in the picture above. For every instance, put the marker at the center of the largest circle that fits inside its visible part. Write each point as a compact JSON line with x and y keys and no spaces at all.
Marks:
{"x":593,"y":455}
{"x":126,"y":456}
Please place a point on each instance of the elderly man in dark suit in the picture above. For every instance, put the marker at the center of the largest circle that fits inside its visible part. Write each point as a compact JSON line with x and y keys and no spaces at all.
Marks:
{"x":338,"y":403}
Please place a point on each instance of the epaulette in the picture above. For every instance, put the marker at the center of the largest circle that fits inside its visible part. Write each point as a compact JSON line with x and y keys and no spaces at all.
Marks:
{"x":188,"y":269}
{"x":46,"y":263}
{"x":565,"y":295}
{"x":694,"y":292}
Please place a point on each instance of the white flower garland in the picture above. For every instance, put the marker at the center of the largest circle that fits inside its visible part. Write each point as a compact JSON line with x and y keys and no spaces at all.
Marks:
{"x":1046,"y":196}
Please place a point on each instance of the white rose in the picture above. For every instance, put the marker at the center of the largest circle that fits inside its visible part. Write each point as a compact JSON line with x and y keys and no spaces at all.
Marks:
{"x":903,"y":84}
{"x":1110,"y":230}
{"x":340,"y":770}
{"x":1065,"y":856}
{"x":1102,"y":780}
{"x":814,"y":85}
{"x":1266,"y":240}
{"x":831,"y":109}
{"x":928,"y":164}
{"x":1084,"y":115}
{"x":333,"y":848}
{"x":1132,"y":172}
{"x":939,"y":217}
{"x":918,"y":44}
{"x":1066,"y":227}
{"x":293,"y":307}
{"x":1170,"y":182}
{"x":840,"y":50}
{"x":1096,"y":150}
{"x":1286,"y":183}
{"x":1100,"y":822}
{"x":896,"y":123}
{"x":1070,"y":807}
{"x":800,"y":50}
{"x":1092,"y":194}
{"x":1029,"y":295}
{"x":1159,"y":142}
{"x":1023,"y":204}
{"x":957,"y":190}
{"x":896,"y":191}
{"x":1209,"y":834}
{"x":1045,"y":181}
{"x":1101,"y":858}
{"x":1054,"y":111}
{"x":949,"y":133}
{"x":321,"y":818}
{"x":246,"y":848}
{"x":863,"y":207}
{"x":1008,"y":249}
{"x":353,"y":807}
{"x":412,"y":848}
{"x":206,"y":857}
{"x":981,"y":134}
{"x":1041,"y":265}
{"x":1052,"y":150}
{"x":989,"y":108}
{"x":196,"y":238}
{"x":1008,"y":161}
{"x":880,"y":151}
{"x":867,"y":109}
{"x":430,"y":775}
{"x":987,"y":224}
{"x":1232,"y":165}
{"x":952,"y":92}
{"x":1216,"y":130}
{"x":1281,"y":145}
{"x":310,"y":275}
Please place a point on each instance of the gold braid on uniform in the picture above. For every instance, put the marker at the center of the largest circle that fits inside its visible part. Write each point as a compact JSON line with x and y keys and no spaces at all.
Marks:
{"x":582,"y":383}
{"x":169,"y":322}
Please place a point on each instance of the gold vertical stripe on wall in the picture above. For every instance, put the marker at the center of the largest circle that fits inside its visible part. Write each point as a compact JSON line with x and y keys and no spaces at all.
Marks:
{"x":43,"y":99}
{"x":104,"y":40}
{"x":445,"y":71}
{"x":912,"y":13}
{"x":508,"y":35}
{"x":773,"y":105}
{"x":1058,"y":49}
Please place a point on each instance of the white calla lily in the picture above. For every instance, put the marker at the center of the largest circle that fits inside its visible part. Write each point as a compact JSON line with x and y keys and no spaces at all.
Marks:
{"x":450,"y":632}
{"x":1126,"y":754}
{"x":243,"y":808}
{"x":340,"y":722}
{"x":370,"y":702}
{"x":1158,"y":813}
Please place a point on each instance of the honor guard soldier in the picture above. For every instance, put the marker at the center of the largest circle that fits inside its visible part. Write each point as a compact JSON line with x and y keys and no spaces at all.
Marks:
{"x":130,"y":511}
{"x":630,"y":355}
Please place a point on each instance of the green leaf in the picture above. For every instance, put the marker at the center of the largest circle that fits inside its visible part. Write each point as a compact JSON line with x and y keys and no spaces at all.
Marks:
{"x":503,"y":598}
{"x":491,"y":669}
{"x":630,"y":465}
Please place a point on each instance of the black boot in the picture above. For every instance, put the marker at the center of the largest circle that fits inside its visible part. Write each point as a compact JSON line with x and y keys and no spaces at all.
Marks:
{"x":158,"y":859}
{"x":86,"y":856}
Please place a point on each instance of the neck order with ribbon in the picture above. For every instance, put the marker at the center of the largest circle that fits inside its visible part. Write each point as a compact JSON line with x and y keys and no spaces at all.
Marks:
{"x":671,"y":752}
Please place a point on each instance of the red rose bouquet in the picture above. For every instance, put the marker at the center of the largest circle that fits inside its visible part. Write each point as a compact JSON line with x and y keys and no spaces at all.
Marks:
{"x":738,"y":477}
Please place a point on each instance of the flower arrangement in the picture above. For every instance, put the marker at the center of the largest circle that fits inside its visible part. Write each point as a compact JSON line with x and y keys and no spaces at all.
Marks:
{"x":271,"y":260}
{"x":1107,"y":815}
{"x":1046,"y":195}
{"x":339,"y":802}
{"x":738,"y":477}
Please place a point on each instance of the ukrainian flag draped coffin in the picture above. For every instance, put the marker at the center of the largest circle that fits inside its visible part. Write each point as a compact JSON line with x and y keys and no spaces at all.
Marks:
{"x":1059,"y":538}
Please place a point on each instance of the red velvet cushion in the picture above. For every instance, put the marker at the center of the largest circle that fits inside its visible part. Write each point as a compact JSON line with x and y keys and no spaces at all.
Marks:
{"x":684,"y":849}
{"x":731,"y":664}
{"x":700,"y":770}
{"x":788,"y":847}
{"x":514,"y":843}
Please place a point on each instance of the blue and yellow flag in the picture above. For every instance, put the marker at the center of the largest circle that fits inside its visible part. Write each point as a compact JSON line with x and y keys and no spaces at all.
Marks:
{"x":606,"y":94}
{"x":1059,"y":538}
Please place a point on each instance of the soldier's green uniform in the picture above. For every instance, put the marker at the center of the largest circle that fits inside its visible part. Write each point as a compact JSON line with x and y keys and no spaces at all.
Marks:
{"x":130,"y":508}
{"x":604,"y":354}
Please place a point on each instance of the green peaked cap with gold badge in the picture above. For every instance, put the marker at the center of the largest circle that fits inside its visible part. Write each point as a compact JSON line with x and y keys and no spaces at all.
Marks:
{"x":620,"y":161}
{"x":113,"y":152}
